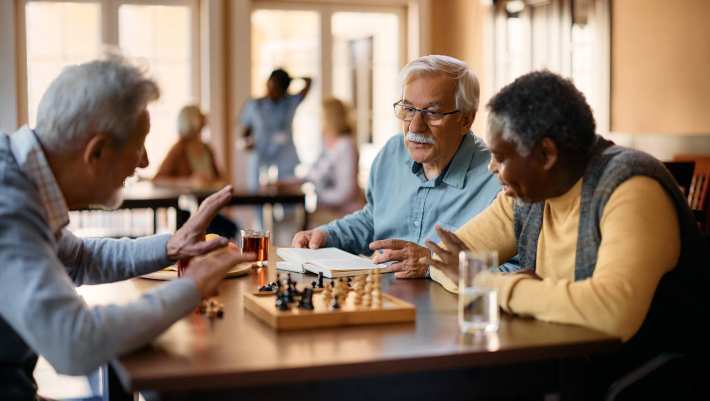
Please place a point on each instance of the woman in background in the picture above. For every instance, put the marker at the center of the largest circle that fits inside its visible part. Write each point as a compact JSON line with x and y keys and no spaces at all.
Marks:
{"x":334,"y":173}
{"x":191,"y":163}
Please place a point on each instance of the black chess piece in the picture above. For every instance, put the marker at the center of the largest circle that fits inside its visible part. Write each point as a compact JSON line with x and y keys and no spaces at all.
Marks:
{"x":335,"y":305}
{"x":282,"y":302}
{"x":350,"y":280}
{"x":306,"y":300}
{"x":314,"y":284}
{"x":320,"y":279}
{"x":266,"y":288}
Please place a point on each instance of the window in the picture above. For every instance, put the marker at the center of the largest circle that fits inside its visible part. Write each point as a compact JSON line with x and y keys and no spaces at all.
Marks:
{"x":353,"y":53}
{"x":160,"y":34}
{"x":570,"y":37}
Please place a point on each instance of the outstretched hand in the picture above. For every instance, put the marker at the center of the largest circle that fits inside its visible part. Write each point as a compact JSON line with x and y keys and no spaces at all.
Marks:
{"x":189,"y":241}
{"x":448,"y":255}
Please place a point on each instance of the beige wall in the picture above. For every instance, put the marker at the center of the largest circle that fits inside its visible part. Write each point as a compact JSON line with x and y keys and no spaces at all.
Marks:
{"x":660,"y":66}
{"x":660,"y":60}
{"x":457,"y":30}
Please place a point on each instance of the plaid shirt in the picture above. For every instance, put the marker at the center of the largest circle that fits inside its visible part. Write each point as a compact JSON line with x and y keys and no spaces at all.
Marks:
{"x":29,"y":156}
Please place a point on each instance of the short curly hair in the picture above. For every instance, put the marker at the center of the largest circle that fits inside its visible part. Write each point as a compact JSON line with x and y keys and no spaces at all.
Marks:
{"x":543,"y":104}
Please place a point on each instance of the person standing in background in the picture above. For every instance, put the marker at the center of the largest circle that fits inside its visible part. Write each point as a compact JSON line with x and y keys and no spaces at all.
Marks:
{"x":268,"y":127}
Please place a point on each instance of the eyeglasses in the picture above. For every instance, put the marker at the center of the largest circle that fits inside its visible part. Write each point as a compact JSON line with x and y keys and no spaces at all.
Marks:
{"x":406,"y":113}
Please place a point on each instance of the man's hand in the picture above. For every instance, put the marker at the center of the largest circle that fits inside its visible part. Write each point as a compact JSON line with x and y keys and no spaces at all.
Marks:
{"x":449,"y":255}
{"x":188,"y":241}
{"x":207,"y":271}
{"x":310,"y":239}
{"x":411,"y":258}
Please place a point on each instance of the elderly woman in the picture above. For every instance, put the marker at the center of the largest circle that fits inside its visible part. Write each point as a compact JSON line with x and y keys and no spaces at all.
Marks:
{"x":191,"y":162}
{"x":190,"y":159}
{"x":605,"y":238}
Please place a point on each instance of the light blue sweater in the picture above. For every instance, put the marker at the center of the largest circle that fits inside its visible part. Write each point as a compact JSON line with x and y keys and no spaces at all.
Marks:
{"x":40,"y":310}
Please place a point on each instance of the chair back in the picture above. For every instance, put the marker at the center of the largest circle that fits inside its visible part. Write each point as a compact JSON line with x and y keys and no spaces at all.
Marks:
{"x":698,"y":198}
{"x":682,"y":172}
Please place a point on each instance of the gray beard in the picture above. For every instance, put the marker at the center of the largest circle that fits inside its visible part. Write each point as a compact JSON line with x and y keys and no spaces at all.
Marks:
{"x":419,"y":138}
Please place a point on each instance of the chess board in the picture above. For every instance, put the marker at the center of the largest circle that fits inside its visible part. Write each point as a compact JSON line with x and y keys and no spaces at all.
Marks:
{"x":263,"y":306}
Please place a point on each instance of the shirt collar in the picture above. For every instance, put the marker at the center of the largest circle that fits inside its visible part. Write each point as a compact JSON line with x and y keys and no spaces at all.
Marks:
{"x":455,"y":173}
{"x":32,"y":161}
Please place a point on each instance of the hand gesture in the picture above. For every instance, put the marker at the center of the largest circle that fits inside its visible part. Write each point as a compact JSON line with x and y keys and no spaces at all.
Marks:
{"x":310,"y":239}
{"x":449,"y":254}
{"x":188,"y":241}
{"x":411,"y":259}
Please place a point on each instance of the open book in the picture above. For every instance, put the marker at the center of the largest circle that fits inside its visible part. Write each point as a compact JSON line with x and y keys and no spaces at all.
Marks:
{"x":332,"y":262}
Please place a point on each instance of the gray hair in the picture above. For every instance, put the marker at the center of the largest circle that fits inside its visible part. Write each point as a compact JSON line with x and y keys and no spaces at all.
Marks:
{"x":190,"y":120}
{"x":99,"y":96}
{"x":467,"y":87}
{"x":501,"y":125}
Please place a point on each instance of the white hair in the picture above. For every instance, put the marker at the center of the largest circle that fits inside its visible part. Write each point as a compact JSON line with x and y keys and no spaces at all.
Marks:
{"x":105,"y":96}
{"x":501,"y":125}
{"x":190,"y":120}
{"x":467,"y":88}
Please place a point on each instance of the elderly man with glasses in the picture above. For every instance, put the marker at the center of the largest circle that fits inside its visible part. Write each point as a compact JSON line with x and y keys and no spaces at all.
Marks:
{"x":435,"y":172}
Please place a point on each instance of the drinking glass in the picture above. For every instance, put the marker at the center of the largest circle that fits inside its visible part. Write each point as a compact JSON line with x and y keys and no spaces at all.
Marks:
{"x":478,"y":305}
{"x":257,"y":242}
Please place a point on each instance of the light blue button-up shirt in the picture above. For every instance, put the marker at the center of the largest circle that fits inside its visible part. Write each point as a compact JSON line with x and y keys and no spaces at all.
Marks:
{"x":403,"y":204}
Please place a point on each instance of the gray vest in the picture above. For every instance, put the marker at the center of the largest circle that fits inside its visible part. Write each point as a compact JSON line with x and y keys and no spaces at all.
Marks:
{"x":678,"y":294}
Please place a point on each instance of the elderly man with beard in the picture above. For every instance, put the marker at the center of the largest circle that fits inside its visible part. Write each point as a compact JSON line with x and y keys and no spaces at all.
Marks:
{"x":605,"y":237}
{"x":435,"y":172}
{"x":91,"y":128}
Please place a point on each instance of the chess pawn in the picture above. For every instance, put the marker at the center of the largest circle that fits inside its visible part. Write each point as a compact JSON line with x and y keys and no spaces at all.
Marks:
{"x":328,"y":294}
{"x":376,"y":298}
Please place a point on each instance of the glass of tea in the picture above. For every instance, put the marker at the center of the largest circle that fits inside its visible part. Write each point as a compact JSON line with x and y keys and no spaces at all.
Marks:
{"x":257,"y":242}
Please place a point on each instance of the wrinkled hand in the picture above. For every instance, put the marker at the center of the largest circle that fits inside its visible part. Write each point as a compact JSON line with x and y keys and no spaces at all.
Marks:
{"x":207,"y":271}
{"x":310,"y":239}
{"x":411,"y":258}
{"x":188,"y":241}
{"x":449,"y":255}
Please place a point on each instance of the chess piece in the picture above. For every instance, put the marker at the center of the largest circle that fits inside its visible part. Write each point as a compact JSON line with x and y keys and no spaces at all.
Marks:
{"x":359,"y":288}
{"x":306,"y":300}
{"x":336,"y":304}
{"x":282,"y":302}
{"x":328,"y":293}
{"x":320,"y":279}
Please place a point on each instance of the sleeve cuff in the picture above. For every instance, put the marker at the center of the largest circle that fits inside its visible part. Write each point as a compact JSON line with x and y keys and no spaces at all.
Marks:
{"x":504,"y":283}
{"x":441,"y":278}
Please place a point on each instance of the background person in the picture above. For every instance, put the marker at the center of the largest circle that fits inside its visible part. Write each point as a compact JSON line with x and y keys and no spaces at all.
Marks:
{"x":334,"y":173}
{"x":268,"y":127}
{"x":191,"y":162}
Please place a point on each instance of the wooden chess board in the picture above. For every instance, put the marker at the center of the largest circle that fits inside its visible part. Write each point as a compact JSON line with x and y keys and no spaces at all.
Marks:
{"x":263,"y":306}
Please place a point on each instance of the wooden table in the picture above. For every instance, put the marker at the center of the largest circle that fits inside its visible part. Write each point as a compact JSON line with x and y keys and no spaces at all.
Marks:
{"x":239,"y":357}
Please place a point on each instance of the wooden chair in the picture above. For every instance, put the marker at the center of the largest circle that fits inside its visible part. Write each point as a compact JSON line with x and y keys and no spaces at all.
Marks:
{"x":683,"y":174}
{"x":698,"y":197}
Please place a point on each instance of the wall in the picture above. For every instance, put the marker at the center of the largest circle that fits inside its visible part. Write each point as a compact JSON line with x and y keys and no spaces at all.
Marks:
{"x":457,"y":29}
{"x":660,"y":61}
{"x":661,"y":66}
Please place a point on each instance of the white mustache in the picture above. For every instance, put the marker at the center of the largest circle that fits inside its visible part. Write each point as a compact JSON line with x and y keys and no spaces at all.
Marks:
{"x":419,"y":138}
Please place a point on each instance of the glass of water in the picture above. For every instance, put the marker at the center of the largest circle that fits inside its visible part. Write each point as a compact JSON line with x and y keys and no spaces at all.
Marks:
{"x":478,"y":306}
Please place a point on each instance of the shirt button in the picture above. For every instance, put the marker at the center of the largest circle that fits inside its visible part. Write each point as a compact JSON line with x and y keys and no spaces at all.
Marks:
{"x":416,"y":224}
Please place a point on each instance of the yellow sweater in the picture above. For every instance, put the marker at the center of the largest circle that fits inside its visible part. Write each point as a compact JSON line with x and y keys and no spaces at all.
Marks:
{"x":640,"y":243}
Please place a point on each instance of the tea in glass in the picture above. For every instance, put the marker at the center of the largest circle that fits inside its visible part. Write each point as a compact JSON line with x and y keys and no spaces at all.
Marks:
{"x":256,"y":242}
